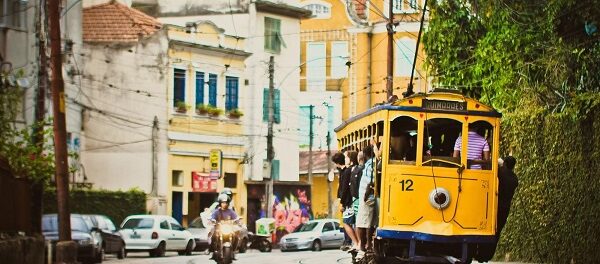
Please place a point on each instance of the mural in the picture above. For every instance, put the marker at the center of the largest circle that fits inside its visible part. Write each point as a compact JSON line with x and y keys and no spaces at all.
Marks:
{"x":291,"y":207}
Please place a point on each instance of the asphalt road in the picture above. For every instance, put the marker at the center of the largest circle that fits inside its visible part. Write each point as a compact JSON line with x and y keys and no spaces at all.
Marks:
{"x":250,"y":257}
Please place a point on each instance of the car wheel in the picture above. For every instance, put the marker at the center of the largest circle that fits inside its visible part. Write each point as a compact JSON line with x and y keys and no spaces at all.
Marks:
{"x":122,"y":253}
{"x":316,"y":246}
{"x":159,"y":251}
{"x":243,"y":246}
{"x":100,"y":255}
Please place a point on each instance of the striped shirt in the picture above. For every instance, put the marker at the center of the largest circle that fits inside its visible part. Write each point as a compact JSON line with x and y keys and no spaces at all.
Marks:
{"x":475,"y":148}
{"x":367,"y":175}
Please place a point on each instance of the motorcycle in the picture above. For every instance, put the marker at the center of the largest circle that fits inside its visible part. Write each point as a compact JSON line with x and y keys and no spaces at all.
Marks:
{"x":224,"y":242}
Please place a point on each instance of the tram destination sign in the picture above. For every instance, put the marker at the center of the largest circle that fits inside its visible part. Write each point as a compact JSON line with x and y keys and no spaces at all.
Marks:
{"x":444,"y":105}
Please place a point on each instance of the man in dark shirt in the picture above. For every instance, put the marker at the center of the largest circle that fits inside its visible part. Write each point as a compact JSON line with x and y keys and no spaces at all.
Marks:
{"x":342,"y":162}
{"x":508,"y":182}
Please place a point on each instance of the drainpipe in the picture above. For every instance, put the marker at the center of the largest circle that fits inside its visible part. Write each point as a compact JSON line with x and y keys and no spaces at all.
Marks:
{"x":369,"y":64}
{"x":154,"y":191}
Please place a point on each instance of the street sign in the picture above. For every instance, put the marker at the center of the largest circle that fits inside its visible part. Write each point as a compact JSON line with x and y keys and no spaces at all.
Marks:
{"x":216,"y":162}
{"x":202,"y":182}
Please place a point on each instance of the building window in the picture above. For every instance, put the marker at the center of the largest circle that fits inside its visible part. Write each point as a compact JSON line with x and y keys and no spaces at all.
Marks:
{"x":276,"y":104}
{"x":231,"y":93}
{"x":178,"y":86}
{"x":339,"y":58}
{"x":316,"y":63}
{"x":405,"y":53}
{"x":212,"y":90}
{"x":199,"y":88}
{"x":405,"y":6}
{"x":230,"y":180}
{"x":177,"y":178}
{"x":13,"y":13}
{"x":319,"y":11}
{"x":304,"y":125}
{"x":273,"y":38}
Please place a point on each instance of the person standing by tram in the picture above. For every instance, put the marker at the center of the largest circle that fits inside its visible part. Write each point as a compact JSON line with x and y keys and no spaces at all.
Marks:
{"x":366,"y":202}
{"x":344,"y":163}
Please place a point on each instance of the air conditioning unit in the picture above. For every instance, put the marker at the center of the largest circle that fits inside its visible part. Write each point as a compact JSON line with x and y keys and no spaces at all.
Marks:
{"x":266,"y":170}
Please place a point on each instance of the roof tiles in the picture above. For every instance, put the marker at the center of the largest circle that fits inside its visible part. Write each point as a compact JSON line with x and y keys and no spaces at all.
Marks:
{"x":114,"y":22}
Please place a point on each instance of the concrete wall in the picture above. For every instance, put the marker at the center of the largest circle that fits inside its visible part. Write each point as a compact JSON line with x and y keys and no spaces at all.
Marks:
{"x":128,"y":83}
{"x":22,"y":249}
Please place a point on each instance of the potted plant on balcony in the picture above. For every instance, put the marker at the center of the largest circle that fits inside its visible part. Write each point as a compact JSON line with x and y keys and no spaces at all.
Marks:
{"x":215,"y":112}
{"x":202,"y":109}
{"x":235,"y":113}
{"x":181,"y":107}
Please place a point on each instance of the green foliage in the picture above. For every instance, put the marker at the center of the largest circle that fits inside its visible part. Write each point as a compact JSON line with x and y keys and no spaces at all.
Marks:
{"x":27,"y":159}
{"x":115,"y":204}
{"x":515,"y":53}
{"x":555,"y":212}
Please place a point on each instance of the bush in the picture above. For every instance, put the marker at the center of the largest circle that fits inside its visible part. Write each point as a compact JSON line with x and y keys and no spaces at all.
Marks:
{"x":555,"y":213}
{"x":115,"y":204}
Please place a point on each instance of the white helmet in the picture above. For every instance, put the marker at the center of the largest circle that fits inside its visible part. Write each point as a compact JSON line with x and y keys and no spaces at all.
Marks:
{"x":223,"y":198}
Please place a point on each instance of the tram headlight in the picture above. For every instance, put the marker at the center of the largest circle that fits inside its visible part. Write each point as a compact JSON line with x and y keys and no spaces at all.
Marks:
{"x":439,"y":198}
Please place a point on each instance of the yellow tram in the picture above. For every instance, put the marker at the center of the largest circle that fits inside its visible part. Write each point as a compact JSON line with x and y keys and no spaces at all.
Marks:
{"x":435,"y":204}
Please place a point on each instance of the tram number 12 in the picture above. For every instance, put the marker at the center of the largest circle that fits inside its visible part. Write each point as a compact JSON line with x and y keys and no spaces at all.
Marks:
{"x":407,"y":185}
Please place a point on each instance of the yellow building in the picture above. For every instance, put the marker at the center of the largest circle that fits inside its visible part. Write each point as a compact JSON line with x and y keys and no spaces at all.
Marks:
{"x":319,"y":188}
{"x":206,"y":143}
{"x":344,"y":48}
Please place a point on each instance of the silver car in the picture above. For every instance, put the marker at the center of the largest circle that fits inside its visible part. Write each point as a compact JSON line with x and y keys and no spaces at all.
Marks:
{"x":314,"y":235}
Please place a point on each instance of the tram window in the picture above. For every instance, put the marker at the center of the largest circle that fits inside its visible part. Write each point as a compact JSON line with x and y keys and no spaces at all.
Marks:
{"x":403,"y":140}
{"x":478,"y":146}
{"x":438,"y":143}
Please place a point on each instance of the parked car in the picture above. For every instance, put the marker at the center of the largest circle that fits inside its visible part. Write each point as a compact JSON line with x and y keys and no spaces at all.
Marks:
{"x":201,"y":228}
{"x":156,"y":234}
{"x":111,"y":240}
{"x":315,"y":235}
{"x":89,"y":249}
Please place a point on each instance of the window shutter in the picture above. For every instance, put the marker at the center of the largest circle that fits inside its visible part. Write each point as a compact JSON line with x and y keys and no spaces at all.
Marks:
{"x":277,"y":106}
{"x":275,"y":170}
{"x":178,"y":86}
{"x":199,"y":88}
{"x":212,"y":89}
{"x":231,"y":96}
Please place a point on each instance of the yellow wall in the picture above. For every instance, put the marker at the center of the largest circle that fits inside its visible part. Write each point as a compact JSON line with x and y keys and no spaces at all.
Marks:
{"x":319,"y":195}
{"x":188,"y":155}
{"x":325,"y":30}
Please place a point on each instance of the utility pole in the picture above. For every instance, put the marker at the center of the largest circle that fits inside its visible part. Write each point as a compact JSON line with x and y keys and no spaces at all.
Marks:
{"x":270,"y":152}
{"x":310,"y":143}
{"x":154,"y":191}
{"x":329,"y":199}
{"x":66,"y":250}
{"x":390,"y":52}
{"x":40,"y":113}
{"x":409,"y":90}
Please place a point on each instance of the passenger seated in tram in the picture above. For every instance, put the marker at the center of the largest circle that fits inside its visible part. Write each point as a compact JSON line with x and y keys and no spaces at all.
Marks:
{"x":478,"y":149}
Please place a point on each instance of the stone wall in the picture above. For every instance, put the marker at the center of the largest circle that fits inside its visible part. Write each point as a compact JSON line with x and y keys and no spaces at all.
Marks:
{"x":17,"y":249}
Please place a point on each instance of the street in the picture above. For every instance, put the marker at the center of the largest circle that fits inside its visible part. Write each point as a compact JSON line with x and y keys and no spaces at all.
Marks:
{"x":250,"y":257}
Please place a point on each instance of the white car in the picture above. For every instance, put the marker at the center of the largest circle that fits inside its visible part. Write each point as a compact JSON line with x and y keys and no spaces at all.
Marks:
{"x":156,"y":234}
{"x":314,"y":235}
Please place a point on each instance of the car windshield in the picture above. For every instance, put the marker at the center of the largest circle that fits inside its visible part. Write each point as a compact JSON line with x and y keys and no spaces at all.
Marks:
{"x":139,"y":223}
{"x":197,"y":223}
{"x":310,"y":226}
{"x":50,"y":224}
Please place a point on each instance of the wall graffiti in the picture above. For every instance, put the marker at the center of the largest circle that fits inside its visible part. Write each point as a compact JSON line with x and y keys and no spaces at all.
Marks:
{"x":291,"y":207}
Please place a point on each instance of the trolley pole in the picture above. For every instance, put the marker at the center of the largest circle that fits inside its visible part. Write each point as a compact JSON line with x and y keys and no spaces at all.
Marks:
{"x":390,"y":52}
{"x":409,"y":90}
{"x":270,"y":151}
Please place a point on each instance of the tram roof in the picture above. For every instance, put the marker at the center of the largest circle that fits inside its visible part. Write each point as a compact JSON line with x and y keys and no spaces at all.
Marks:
{"x":414,"y":103}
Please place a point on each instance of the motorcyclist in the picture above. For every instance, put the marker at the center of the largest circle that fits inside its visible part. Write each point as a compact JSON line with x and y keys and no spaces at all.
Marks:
{"x":223,"y":213}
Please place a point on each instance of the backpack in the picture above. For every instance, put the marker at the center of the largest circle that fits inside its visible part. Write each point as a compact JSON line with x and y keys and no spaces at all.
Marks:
{"x":355,"y":176}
